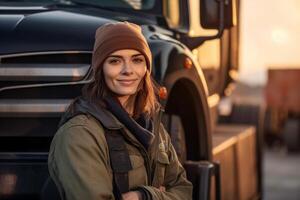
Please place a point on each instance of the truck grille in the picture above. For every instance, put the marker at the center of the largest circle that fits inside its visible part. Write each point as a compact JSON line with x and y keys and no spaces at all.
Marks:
{"x":43,"y":67}
{"x":35,"y":90}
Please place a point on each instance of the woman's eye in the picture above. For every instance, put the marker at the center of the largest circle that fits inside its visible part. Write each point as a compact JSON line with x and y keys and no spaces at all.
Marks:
{"x":114,"y":61}
{"x":138,"y":60}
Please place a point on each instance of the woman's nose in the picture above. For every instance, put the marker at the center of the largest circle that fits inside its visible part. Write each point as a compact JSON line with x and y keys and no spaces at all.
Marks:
{"x":127,"y":68}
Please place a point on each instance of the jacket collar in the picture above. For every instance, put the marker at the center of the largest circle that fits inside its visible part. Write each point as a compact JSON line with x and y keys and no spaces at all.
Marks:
{"x":107,"y":119}
{"x":82,"y":106}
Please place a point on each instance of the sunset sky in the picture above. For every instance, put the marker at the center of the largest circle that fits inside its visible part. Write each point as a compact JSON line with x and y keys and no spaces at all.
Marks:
{"x":270,"y":37}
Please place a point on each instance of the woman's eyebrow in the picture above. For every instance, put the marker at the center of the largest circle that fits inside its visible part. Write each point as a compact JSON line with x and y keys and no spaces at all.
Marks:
{"x":115,"y":56}
{"x":119,"y":56}
{"x":137,"y":55}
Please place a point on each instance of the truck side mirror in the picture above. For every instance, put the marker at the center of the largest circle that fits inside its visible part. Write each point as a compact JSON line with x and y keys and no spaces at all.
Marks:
{"x":210,"y":13}
{"x":214,"y":14}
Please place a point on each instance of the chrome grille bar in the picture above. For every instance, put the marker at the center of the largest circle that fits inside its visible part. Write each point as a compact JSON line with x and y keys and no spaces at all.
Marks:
{"x":43,"y":72}
{"x":33,"y":107}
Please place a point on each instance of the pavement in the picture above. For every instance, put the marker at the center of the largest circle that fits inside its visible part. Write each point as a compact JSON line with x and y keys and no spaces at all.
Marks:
{"x":282,"y":175}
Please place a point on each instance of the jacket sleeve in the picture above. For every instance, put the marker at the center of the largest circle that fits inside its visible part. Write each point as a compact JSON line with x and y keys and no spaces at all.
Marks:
{"x":78,"y":164}
{"x":176,"y":184}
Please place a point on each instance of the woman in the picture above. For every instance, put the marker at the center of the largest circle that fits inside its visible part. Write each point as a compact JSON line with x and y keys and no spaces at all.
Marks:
{"x":111,"y":144}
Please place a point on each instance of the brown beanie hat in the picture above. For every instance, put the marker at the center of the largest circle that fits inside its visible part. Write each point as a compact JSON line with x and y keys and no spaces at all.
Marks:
{"x":111,"y":37}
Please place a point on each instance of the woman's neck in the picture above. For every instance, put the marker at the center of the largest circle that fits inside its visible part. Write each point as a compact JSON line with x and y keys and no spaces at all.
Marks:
{"x":127,"y":103}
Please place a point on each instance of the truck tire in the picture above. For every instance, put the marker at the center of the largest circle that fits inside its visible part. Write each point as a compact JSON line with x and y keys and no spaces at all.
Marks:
{"x":291,"y":134}
{"x":174,"y":126}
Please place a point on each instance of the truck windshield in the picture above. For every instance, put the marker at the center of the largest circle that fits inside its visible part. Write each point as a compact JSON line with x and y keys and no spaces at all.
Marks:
{"x":131,"y":4}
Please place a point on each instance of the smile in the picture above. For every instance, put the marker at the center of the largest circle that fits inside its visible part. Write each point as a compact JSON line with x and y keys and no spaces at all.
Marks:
{"x":127,"y":82}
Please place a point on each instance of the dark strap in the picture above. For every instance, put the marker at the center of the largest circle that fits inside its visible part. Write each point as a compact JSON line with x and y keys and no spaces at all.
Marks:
{"x":120,"y":161}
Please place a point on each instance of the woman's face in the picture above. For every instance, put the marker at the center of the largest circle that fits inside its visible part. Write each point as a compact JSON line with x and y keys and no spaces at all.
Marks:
{"x":123,"y":71}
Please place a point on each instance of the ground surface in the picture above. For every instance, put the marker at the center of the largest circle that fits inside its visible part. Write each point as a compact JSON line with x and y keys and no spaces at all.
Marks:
{"x":282,"y":175}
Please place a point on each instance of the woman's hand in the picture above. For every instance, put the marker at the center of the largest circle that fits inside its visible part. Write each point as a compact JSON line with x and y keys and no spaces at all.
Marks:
{"x":162,"y":188}
{"x":136,"y":195}
{"x":133,"y":195}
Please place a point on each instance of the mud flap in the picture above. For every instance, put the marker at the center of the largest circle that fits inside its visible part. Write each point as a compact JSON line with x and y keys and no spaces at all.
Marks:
{"x":200,"y":173}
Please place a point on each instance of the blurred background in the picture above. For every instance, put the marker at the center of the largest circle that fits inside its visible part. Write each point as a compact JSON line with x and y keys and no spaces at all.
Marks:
{"x":270,"y":38}
{"x":270,"y":76}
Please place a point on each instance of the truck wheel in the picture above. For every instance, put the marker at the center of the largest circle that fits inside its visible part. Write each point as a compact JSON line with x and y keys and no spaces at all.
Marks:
{"x":291,"y":134}
{"x":173,"y":125}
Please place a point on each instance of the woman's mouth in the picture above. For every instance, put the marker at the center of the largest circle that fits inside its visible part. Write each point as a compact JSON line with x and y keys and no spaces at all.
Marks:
{"x":128,"y":82}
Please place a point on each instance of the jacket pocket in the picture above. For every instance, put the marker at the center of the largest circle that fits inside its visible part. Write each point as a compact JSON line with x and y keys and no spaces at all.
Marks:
{"x":138,"y":175}
{"x":163,"y":158}
{"x":136,"y":161}
{"x":161,"y":165}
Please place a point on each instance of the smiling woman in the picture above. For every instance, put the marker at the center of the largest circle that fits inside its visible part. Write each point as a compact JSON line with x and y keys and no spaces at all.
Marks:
{"x":124,"y":71}
{"x":111,"y":143}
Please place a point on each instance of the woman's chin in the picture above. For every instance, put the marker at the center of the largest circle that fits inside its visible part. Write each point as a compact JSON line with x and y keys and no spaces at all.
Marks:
{"x":125,"y":93}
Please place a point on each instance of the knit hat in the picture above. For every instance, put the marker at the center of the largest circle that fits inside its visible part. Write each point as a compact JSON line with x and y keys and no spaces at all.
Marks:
{"x":111,"y":37}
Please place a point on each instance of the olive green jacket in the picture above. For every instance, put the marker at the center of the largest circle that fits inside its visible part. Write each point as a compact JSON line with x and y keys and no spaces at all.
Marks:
{"x":79,"y":161}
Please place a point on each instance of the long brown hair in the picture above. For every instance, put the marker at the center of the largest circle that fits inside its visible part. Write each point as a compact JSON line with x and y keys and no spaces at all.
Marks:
{"x":145,"y":101}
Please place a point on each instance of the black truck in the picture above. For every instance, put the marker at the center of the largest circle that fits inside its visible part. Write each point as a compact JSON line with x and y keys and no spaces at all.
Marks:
{"x":45,"y":56}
